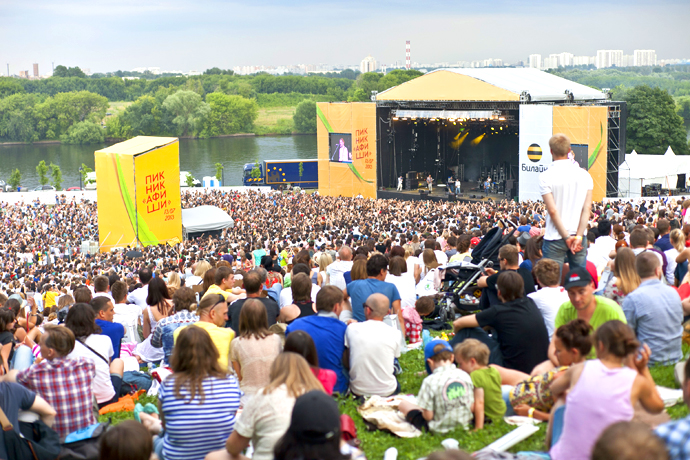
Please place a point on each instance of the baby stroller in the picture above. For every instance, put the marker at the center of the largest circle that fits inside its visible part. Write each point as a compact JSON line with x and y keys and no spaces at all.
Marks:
{"x":460,"y":290}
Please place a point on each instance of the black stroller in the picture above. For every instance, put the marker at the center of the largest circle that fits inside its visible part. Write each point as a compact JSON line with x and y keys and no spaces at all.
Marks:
{"x":460,"y":290}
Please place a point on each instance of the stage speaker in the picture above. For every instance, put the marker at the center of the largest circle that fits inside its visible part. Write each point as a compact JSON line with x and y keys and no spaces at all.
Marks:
{"x":411,"y":175}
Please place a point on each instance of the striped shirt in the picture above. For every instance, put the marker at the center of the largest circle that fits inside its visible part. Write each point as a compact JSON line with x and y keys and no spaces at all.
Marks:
{"x":192,"y":430}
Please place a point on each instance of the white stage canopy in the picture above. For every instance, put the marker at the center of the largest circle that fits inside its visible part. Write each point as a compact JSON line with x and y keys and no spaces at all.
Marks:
{"x":640,"y":170}
{"x":205,"y":219}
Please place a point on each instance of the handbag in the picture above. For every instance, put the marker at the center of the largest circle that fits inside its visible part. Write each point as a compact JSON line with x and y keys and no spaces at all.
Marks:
{"x":37,"y":440}
{"x":83,"y":444}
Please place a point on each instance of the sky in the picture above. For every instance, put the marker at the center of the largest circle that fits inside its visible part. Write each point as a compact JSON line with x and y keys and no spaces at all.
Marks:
{"x":199,"y":34}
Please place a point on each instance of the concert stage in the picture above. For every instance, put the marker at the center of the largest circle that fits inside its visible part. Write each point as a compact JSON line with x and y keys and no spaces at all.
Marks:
{"x":469,"y":194}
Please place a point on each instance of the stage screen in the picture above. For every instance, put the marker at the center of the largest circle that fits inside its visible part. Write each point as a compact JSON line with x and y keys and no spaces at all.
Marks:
{"x":340,"y":147}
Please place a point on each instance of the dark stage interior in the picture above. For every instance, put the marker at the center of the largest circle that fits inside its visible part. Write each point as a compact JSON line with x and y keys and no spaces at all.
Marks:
{"x":469,"y":148}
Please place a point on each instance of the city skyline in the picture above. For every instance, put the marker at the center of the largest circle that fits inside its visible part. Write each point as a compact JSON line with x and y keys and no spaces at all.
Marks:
{"x":199,"y":35}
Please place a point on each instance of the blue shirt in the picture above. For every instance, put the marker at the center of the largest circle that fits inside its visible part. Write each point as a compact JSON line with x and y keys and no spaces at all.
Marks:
{"x":360,"y":290}
{"x":192,"y":428}
{"x":654,"y":311}
{"x":329,"y":338}
{"x":676,"y":436}
{"x":115,"y":331}
{"x":664,"y":243}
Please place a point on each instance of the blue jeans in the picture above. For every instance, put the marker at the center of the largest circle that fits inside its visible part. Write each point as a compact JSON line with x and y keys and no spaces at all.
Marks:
{"x":22,"y":358}
{"x":558,"y":251}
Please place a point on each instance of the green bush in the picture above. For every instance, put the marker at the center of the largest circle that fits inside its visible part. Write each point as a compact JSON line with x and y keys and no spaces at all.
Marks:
{"x":85,"y":132}
{"x":305,"y":117}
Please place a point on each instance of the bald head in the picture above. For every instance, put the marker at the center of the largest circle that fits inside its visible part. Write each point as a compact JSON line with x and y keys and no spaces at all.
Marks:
{"x":345,"y":253}
{"x":379,"y":306}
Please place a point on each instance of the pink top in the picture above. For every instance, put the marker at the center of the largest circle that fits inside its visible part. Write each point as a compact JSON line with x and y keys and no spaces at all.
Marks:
{"x":600,"y":398}
{"x":327,"y":378}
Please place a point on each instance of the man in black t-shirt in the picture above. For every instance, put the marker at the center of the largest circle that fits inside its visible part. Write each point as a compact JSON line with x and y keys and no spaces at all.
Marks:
{"x":509,"y":261}
{"x":253,"y":286}
{"x":520,"y":331}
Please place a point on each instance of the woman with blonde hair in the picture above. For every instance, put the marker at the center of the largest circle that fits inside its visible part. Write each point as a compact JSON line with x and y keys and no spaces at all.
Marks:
{"x":266,"y":418}
{"x":624,"y":279}
{"x":358,"y":270}
{"x":174,"y":282}
{"x":323,"y":262}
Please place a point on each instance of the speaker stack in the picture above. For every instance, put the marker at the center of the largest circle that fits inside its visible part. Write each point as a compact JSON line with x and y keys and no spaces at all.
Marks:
{"x":412,"y":180}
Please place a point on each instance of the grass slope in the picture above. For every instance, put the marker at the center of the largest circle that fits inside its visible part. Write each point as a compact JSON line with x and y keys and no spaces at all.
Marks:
{"x":375,"y":443}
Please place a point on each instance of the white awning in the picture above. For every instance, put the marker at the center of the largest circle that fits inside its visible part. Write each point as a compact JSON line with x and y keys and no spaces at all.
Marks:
{"x":205,"y":219}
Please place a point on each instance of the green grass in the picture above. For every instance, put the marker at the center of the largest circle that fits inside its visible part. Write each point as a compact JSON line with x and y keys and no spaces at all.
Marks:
{"x":274,"y":120}
{"x":375,"y":443}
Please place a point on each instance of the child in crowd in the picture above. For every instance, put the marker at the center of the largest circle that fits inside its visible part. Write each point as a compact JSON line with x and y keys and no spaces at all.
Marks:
{"x":472,"y":356}
{"x":447,"y":396}
{"x":425,"y":307}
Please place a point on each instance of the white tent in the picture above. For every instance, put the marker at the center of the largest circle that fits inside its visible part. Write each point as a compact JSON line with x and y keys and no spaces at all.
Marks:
{"x":640,"y":170}
{"x":205,"y":219}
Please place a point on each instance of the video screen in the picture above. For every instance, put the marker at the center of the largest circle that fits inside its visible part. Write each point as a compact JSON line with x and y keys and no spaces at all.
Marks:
{"x":341,"y":147}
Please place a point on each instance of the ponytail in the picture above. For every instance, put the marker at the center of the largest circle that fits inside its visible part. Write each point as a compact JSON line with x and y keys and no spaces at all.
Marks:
{"x":617,"y":338}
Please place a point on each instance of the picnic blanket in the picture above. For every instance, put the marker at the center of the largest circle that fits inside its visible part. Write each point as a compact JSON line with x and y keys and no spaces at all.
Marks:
{"x":384,"y":414}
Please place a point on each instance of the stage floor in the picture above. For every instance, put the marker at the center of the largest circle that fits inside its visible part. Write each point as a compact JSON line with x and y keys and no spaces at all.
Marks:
{"x":440,"y":193}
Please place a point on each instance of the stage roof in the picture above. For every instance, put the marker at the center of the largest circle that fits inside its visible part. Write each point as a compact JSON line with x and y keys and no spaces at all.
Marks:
{"x":489,"y":84}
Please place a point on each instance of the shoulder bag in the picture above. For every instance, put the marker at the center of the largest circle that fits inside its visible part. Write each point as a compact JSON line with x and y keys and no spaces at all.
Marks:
{"x":37,"y":440}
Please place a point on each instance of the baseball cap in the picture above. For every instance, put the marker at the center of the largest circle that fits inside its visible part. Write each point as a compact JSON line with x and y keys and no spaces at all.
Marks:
{"x":429,"y":351}
{"x":315,"y":418}
{"x":577,"y":277}
{"x":524,"y":238}
{"x":474,"y":241}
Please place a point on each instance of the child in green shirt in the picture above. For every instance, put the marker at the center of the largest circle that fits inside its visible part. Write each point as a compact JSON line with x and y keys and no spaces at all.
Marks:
{"x":472,"y":356}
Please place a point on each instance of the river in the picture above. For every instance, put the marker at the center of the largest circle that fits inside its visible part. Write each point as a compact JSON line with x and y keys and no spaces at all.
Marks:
{"x":198,"y":156}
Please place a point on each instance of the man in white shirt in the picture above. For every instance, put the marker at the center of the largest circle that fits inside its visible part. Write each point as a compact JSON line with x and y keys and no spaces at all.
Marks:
{"x":336,"y":270}
{"x":125,"y":314}
{"x":285,"y":298}
{"x":567,"y":193}
{"x":599,"y":252}
{"x":138,"y":296}
{"x":101,"y":286}
{"x":551,"y":295}
{"x":373,"y":347}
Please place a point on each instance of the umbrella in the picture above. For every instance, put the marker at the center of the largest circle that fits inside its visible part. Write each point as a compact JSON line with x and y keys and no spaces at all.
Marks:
{"x":134,"y":254}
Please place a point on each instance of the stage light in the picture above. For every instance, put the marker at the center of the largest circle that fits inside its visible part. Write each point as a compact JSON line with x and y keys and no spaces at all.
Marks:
{"x":501,"y":128}
{"x":501,"y":118}
{"x":492,"y":128}
{"x":395,"y":118}
{"x":478,"y":139}
{"x":454,"y":123}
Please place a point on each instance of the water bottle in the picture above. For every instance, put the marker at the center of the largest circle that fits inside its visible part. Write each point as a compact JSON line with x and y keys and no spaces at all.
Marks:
{"x":426,"y":337}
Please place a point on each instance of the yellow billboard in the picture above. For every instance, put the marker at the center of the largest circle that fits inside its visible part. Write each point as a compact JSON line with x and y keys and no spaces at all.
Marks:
{"x":587,"y":125}
{"x":138,"y":187}
{"x":358,"y":119}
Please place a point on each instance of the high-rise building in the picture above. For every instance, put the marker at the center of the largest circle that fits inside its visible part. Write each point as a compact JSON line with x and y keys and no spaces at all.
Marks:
{"x":609,"y":58}
{"x":627,"y":61}
{"x":368,"y":64}
{"x":565,"y":59}
{"x":535,"y":61}
{"x":550,"y":62}
{"x":23,"y":74}
{"x":36,"y":70}
{"x":644,"y":58}
{"x":583,"y":60}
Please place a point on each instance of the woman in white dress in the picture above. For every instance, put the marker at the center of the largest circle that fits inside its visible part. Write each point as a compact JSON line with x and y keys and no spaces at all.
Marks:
{"x":159,"y":306}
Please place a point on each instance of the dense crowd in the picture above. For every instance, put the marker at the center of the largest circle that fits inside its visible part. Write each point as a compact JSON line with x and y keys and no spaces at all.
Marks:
{"x":244,"y":334}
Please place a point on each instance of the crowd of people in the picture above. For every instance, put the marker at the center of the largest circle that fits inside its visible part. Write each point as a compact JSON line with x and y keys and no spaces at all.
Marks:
{"x":308,"y":296}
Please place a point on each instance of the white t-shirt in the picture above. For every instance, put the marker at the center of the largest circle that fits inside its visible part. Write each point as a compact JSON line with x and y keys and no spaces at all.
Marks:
{"x":598,"y":252}
{"x":102,"y":385}
{"x":336,"y":270}
{"x":441,"y":258}
{"x":549,"y":300}
{"x":406,"y":285}
{"x":138,"y":296}
{"x":286,"y":295}
{"x":569,"y":185}
{"x":372,"y":373}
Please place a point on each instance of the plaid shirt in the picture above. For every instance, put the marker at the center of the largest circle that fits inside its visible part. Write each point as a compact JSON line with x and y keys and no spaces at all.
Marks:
{"x":66,"y":384}
{"x":676,"y":436}
{"x":449,"y":392}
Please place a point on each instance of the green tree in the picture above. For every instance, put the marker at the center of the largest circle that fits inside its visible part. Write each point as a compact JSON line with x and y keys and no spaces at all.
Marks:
{"x":189,"y":180}
{"x":56,"y":174}
{"x":18,"y":117}
{"x":58,"y":113}
{"x":84,"y":171}
{"x":369,"y":82}
{"x":305,"y":117}
{"x":256,"y":170}
{"x":15,"y":179}
{"x":144,"y":117}
{"x":653,"y":123}
{"x":9,"y":86}
{"x":219,"y":172}
{"x":85,"y":132}
{"x":230,"y":114}
{"x":42,"y":171}
{"x":397,"y":77}
{"x":359,"y":95}
{"x":188,"y":110}
{"x":62,"y":71}
{"x":301,"y":169}
{"x":683,"y":109}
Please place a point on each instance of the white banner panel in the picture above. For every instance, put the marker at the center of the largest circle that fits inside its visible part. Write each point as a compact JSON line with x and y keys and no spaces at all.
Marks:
{"x":536,"y":128}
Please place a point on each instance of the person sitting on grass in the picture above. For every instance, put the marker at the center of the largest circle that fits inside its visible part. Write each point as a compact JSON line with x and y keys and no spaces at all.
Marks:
{"x":472,"y":356}
{"x":447,"y":397}
{"x":128,"y":440}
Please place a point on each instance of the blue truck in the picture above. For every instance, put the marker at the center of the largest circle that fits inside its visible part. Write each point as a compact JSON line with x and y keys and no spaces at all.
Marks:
{"x":277,"y":173}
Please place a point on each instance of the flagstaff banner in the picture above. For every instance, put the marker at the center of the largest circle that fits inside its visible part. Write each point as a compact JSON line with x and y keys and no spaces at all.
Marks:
{"x":346,"y":142}
{"x":138,"y":187}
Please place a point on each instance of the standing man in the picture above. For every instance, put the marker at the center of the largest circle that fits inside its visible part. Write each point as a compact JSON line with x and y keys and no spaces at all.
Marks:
{"x":400,"y":183}
{"x":567,"y":193}
{"x":429,"y":182}
{"x":487,"y":185}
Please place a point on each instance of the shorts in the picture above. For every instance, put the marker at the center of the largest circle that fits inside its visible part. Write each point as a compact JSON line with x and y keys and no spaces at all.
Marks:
{"x":116,"y":380}
{"x":416,"y":419}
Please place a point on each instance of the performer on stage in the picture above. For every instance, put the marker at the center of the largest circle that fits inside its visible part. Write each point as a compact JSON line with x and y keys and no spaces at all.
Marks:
{"x":400,"y":183}
{"x":487,"y":185}
{"x":457,"y":186}
{"x":344,"y":153}
{"x":429,"y":181}
{"x":450,"y":184}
